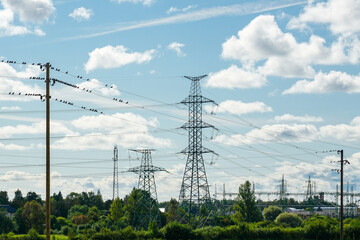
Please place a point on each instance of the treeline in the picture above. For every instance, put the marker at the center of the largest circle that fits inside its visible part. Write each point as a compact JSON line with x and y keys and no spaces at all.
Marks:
{"x":87,"y":216}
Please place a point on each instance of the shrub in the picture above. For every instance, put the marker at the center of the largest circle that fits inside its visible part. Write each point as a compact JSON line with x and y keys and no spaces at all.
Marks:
{"x":177,"y":231}
{"x":352,"y":230}
{"x":288,"y":220}
{"x":320,"y":229}
{"x":271,"y":212}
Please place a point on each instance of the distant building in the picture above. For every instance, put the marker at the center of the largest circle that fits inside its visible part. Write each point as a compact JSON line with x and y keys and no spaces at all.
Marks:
{"x":325,"y":211}
{"x":10,"y":210}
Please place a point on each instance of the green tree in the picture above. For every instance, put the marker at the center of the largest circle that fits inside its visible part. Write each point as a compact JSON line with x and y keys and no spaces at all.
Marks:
{"x":77,"y":210}
{"x":6,"y":225}
{"x":18,"y":200}
{"x":33,"y":196}
{"x":271,"y":212}
{"x":172,"y":206}
{"x":93,"y":214}
{"x":34,"y":215}
{"x":245,"y":205}
{"x":4,"y":199}
{"x":21,"y":225}
{"x":289,"y":220}
{"x":116,"y":210}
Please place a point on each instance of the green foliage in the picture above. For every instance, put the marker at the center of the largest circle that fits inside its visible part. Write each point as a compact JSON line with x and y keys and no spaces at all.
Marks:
{"x":352,"y":229}
{"x":77,"y":210}
{"x":271,"y":212}
{"x":289,"y":220}
{"x":319,"y":227}
{"x":177,"y":231}
{"x":33,"y":234}
{"x":6,"y":225}
{"x":34,"y":216}
{"x":116,"y":210}
{"x":245,"y":206}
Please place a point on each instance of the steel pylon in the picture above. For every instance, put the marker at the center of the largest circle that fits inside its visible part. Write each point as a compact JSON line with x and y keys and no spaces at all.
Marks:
{"x":146,"y":207}
{"x":194,"y":191}
{"x":116,"y":174}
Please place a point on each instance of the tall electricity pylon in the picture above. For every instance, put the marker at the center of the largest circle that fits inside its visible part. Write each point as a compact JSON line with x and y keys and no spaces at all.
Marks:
{"x":146,"y":206}
{"x":194,"y":191}
{"x":116,"y":174}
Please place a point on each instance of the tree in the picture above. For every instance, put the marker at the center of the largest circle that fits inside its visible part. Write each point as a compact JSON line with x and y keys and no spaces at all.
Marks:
{"x":32,"y":196}
{"x":116,"y":210}
{"x":289,"y":220}
{"x":6,"y":224}
{"x":77,"y":210}
{"x":94,"y":214}
{"x":245,"y":205}
{"x":34,"y":215}
{"x":18,"y":200}
{"x":4,"y":199}
{"x":173,"y":206}
{"x":271,"y":212}
{"x":21,"y":225}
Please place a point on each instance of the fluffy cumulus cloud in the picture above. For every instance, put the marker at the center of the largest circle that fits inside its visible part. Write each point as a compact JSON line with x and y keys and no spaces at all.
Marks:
{"x":36,"y":11}
{"x":240,"y":108}
{"x":333,"y":81}
{"x":292,"y":118}
{"x":9,"y":83}
{"x":263,"y":40}
{"x":81,"y":13}
{"x":235,"y":77}
{"x":99,"y":132}
{"x":344,"y":132}
{"x":30,"y":10}
{"x":342,"y":16}
{"x":143,"y":2}
{"x":272,"y":133}
{"x":175,"y":46}
{"x":116,"y":56}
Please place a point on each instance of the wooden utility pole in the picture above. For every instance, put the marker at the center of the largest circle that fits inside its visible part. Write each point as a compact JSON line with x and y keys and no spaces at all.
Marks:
{"x":47,"y":151}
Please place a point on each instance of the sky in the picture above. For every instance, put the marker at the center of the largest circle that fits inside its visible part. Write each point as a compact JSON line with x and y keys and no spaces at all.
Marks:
{"x":283,"y":74}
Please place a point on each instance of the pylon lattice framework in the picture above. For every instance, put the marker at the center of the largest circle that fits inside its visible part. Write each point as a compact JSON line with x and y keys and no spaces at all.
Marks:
{"x":146,"y":207}
{"x":194,"y":188}
{"x":116,"y":174}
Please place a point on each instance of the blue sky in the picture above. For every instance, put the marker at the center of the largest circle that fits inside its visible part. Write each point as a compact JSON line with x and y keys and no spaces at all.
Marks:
{"x":283,"y":73}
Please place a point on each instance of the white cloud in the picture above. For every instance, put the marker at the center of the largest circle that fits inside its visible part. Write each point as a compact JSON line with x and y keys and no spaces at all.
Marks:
{"x":272,"y":133}
{"x":124,"y":129}
{"x":114,"y":57}
{"x":343,"y":132}
{"x":237,"y":9}
{"x":341,"y":15}
{"x":13,"y":108}
{"x":143,"y":2}
{"x":333,"y":81}
{"x":31,"y":10}
{"x":8,"y":82}
{"x":262,"y":39}
{"x":240,"y":108}
{"x":13,"y":147}
{"x":177,"y":48}
{"x":235,"y":77}
{"x":7,"y":28}
{"x":185,"y":9}
{"x":292,"y":118}
{"x":81,"y":14}
{"x":97,"y":87}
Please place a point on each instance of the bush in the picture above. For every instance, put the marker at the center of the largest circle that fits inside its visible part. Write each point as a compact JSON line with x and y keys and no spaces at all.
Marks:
{"x":271,"y":212}
{"x":320,"y":228}
{"x":177,"y":231}
{"x":352,"y":230}
{"x":289,"y":220}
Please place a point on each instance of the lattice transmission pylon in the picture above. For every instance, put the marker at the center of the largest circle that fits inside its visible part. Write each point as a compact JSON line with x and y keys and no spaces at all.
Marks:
{"x":116,"y":174}
{"x":194,"y":191}
{"x":146,"y":206}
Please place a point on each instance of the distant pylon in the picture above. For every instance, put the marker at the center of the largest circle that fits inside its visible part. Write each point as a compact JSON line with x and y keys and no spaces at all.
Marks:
{"x":282,"y":193}
{"x":146,"y":208}
{"x":309,"y":190}
{"x":194,"y":191}
{"x":116,"y":174}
